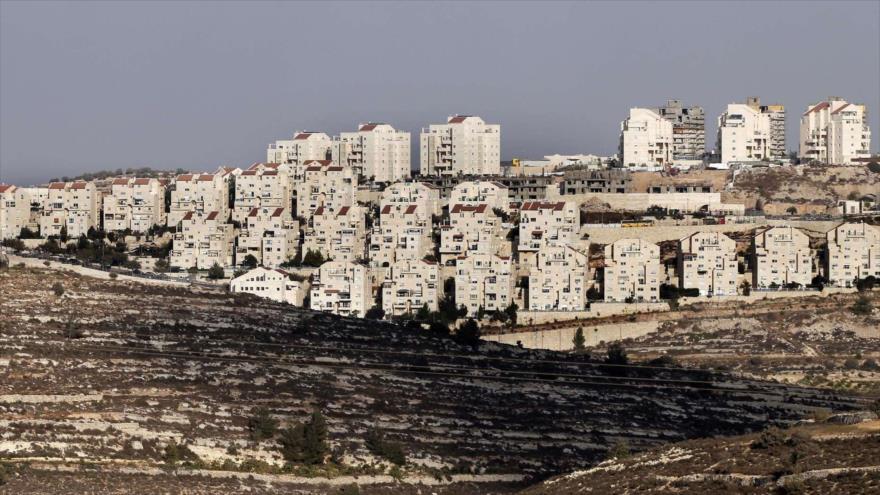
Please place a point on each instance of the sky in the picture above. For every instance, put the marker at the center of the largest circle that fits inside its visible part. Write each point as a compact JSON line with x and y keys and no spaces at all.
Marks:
{"x":91,"y":86}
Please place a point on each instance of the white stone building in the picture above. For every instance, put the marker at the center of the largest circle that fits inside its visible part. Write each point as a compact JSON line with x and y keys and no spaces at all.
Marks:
{"x":835,"y":132}
{"x":464,"y":145}
{"x":688,"y":129}
{"x":268,"y":235}
{"x":200,"y":193}
{"x":707,"y":261}
{"x":342,"y":288}
{"x":471,"y":230}
{"x":409,"y":285}
{"x":403,"y":233}
{"x":776,"y":114}
{"x":201,"y":240}
{"x":424,"y":196}
{"x":136,"y":204}
{"x":853,"y":253}
{"x":339,"y":235}
{"x":305,"y":146}
{"x":74,"y":205}
{"x":632,"y":271}
{"x":559,"y":279}
{"x":743,"y":134}
{"x":15,"y":209}
{"x":263,"y":185}
{"x":326,"y":184}
{"x":472,"y":193}
{"x":484,"y":280}
{"x":645,"y":139}
{"x":547,"y":223}
{"x":377,"y":152}
{"x":781,"y":256}
{"x":275,"y":285}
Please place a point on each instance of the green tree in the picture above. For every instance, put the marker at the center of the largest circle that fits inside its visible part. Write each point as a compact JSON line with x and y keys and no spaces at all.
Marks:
{"x":423,"y":314}
{"x":313,"y":258}
{"x":616,"y":355}
{"x":375,"y":313}
{"x":579,"y":341}
{"x":378,"y":445}
{"x":305,"y":443}
{"x":162,"y":265}
{"x":745,"y":288}
{"x":250,"y":261}
{"x":262,"y":425}
{"x":862,"y":306}
{"x":216,"y":272}
{"x":620,"y":450}
{"x":468,"y":333}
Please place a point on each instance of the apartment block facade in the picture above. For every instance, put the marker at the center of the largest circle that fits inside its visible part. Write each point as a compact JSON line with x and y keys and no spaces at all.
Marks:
{"x":72,"y":206}
{"x":559,"y":279}
{"x":268,"y":235}
{"x":743,"y":134}
{"x":781,"y":256}
{"x":339,"y":235}
{"x":263,"y":185}
{"x":688,"y":129}
{"x":273,"y":284}
{"x":853,"y":253}
{"x":464,"y":145}
{"x":303,"y":147}
{"x":835,"y":132}
{"x":484,"y":281}
{"x":646,"y":139}
{"x":201,"y":240}
{"x":15,"y":209}
{"x":547,"y":223}
{"x":409,"y":285}
{"x":136,"y":204}
{"x":471,"y":230}
{"x":200,"y":193}
{"x":376,"y":152}
{"x":325,"y":184}
{"x":491,"y":193}
{"x":342,"y":288}
{"x":707,"y":261}
{"x":776,"y":114}
{"x":632,"y":271}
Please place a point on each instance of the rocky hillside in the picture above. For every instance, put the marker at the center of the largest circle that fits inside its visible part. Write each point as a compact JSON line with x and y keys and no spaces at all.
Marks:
{"x":115,"y":385}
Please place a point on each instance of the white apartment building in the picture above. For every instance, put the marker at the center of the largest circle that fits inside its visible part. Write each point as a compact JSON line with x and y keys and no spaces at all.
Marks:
{"x":780,"y":256}
{"x":494,"y":194}
{"x":853,"y":253}
{"x":646,"y":139}
{"x":268,"y":235}
{"x":835,"y":132}
{"x":325,"y":184}
{"x":403,"y":233}
{"x":201,"y":240}
{"x":342,"y":288}
{"x":275,"y":285}
{"x":743,"y":134}
{"x":559,"y":280}
{"x":409,"y":285}
{"x":262,"y":185}
{"x":376,"y":152}
{"x":472,"y":229}
{"x":74,"y":206}
{"x":632,"y":271}
{"x":200,"y":193}
{"x":424,"y":196}
{"x":776,"y":113}
{"x":707,"y":261}
{"x":136,"y":204}
{"x":15,"y":210}
{"x":464,"y":145}
{"x":484,"y":280}
{"x":546,"y":223}
{"x":39,"y":199}
{"x":339,"y":235}
{"x":303,"y":147}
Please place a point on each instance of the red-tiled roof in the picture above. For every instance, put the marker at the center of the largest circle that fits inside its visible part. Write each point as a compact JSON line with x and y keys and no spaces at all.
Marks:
{"x":278,"y":212}
{"x":120,"y":182}
{"x":254,"y":212}
{"x":386,"y":209}
{"x":319,"y":211}
{"x":368,"y":127}
{"x":271,"y":173}
{"x":302,"y":135}
{"x":334,"y":169}
{"x":142,"y":182}
{"x":6,"y":187}
{"x":467,"y":208}
{"x":839,"y":109}
{"x":272,"y":165}
{"x":184,"y":178}
{"x":188,"y":215}
{"x":538,"y":205}
{"x":254,"y":166}
{"x":206,"y":177}
{"x":56,"y":185}
{"x":79,"y":185}
{"x":458,"y":119}
{"x":249,"y":172}
{"x":343,"y":211}
{"x":410,"y":210}
{"x":212,"y":215}
{"x":820,"y":106}
{"x":321,"y":162}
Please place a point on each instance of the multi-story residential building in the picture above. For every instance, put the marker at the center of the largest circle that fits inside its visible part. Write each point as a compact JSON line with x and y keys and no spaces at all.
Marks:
{"x":342,"y":288}
{"x":135,"y":204}
{"x":853,"y":253}
{"x":597,"y":181}
{"x":632,"y":271}
{"x":781,"y":256}
{"x":39,"y":199}
{"x":707,"y":261}
{"x":688,"y":129}
{"x":73,"y":207}
{"x":305,"y":146}
{"x":269,"y":235}
{"x":338,"y":235}
{"x":403,"y":233}
{"x":424,"y":196}
{"x":546,"y":223}
{"x":484,"y":281}
{"x":743,"y":134}
{"x":263,"y":185}
{"x":559,"y":279}
{"x":645,"y":139}
{"x":15,"y":209}
{"x":325,"y":184}
{"x":471,"y":230}
{"x":275,"y":285}
{"x":465,"y":145}
{"x":409,"y":285}
{"x":201,"y":240}
{"x":478,"y":192}
{"x":377,"y":152}
{"x":835,"y":132}
{"x":200,"y":193}
{"x":776,"y":113}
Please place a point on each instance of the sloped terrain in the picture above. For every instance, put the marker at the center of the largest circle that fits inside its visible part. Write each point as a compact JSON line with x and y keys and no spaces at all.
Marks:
{"x":99,"y":380}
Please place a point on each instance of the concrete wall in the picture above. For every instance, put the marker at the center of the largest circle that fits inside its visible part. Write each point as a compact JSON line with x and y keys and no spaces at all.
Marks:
{"x":562,"y":339}
{"x":613,"y":232}
{"x":597,"y":309}
{"x":686,"y":202}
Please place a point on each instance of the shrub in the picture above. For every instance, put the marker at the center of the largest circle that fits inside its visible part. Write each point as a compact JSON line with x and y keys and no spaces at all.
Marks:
{"x":578,"y":341}
{"x":305,"y":443}
{"x":216,"y":272}
{"x":617,"y":355}
{"x":375,"y":313}
{"x":162,"y":265}
{"x":379,"y":446}
{"x":58,"y":289}
{"x":620,"y":450}
{"x":72,"y":329}
{"x":262,"y":425}
{"x":175,"y":453}
{"x":468,"y":333}
{"x":862,"y":306}
{"x":15,"y":244}
{"x":113,"y":275}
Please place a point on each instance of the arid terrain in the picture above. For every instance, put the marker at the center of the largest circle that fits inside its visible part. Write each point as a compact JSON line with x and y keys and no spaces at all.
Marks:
{"x":102,"y":376}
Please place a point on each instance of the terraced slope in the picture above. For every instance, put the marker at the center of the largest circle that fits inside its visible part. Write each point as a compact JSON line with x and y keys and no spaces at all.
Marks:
{"x":99,"y":380}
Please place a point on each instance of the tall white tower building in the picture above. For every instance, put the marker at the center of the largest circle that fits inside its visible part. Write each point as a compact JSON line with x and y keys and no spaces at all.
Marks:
{"x":464,"y":145}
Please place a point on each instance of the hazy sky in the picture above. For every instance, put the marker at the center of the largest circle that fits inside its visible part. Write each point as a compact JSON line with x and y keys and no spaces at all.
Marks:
{"x":90,"y":86}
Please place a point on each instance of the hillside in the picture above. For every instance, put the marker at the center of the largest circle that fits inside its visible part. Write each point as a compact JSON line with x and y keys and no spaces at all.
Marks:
{"x":102,"y":376}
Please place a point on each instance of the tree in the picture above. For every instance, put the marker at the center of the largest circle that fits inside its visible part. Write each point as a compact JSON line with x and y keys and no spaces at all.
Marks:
{"x":874,"y":167}
{"x":579,"y":341}
{"x":262,"y":425}
{"x":58,"y":289}
{"x":64,"y":233}
{"x":216,"y":272}
{"x":862,"y":306}
{"x":15,"y":244}
{"x":619,"y":450}
{"x":375,"y":313}
{"x":423,"y":314}
{"x":468,"y":333}
{"x":305,"y":442}
{"x":745,"y":287}
{"x":250,"y":261}
{"x":791,"y":210}
{"x":617,"y":355}
{"x":162,"y":265}
{"x":313,"y":258}
{"x":510,"y":313}
{"x":378,"y":445}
